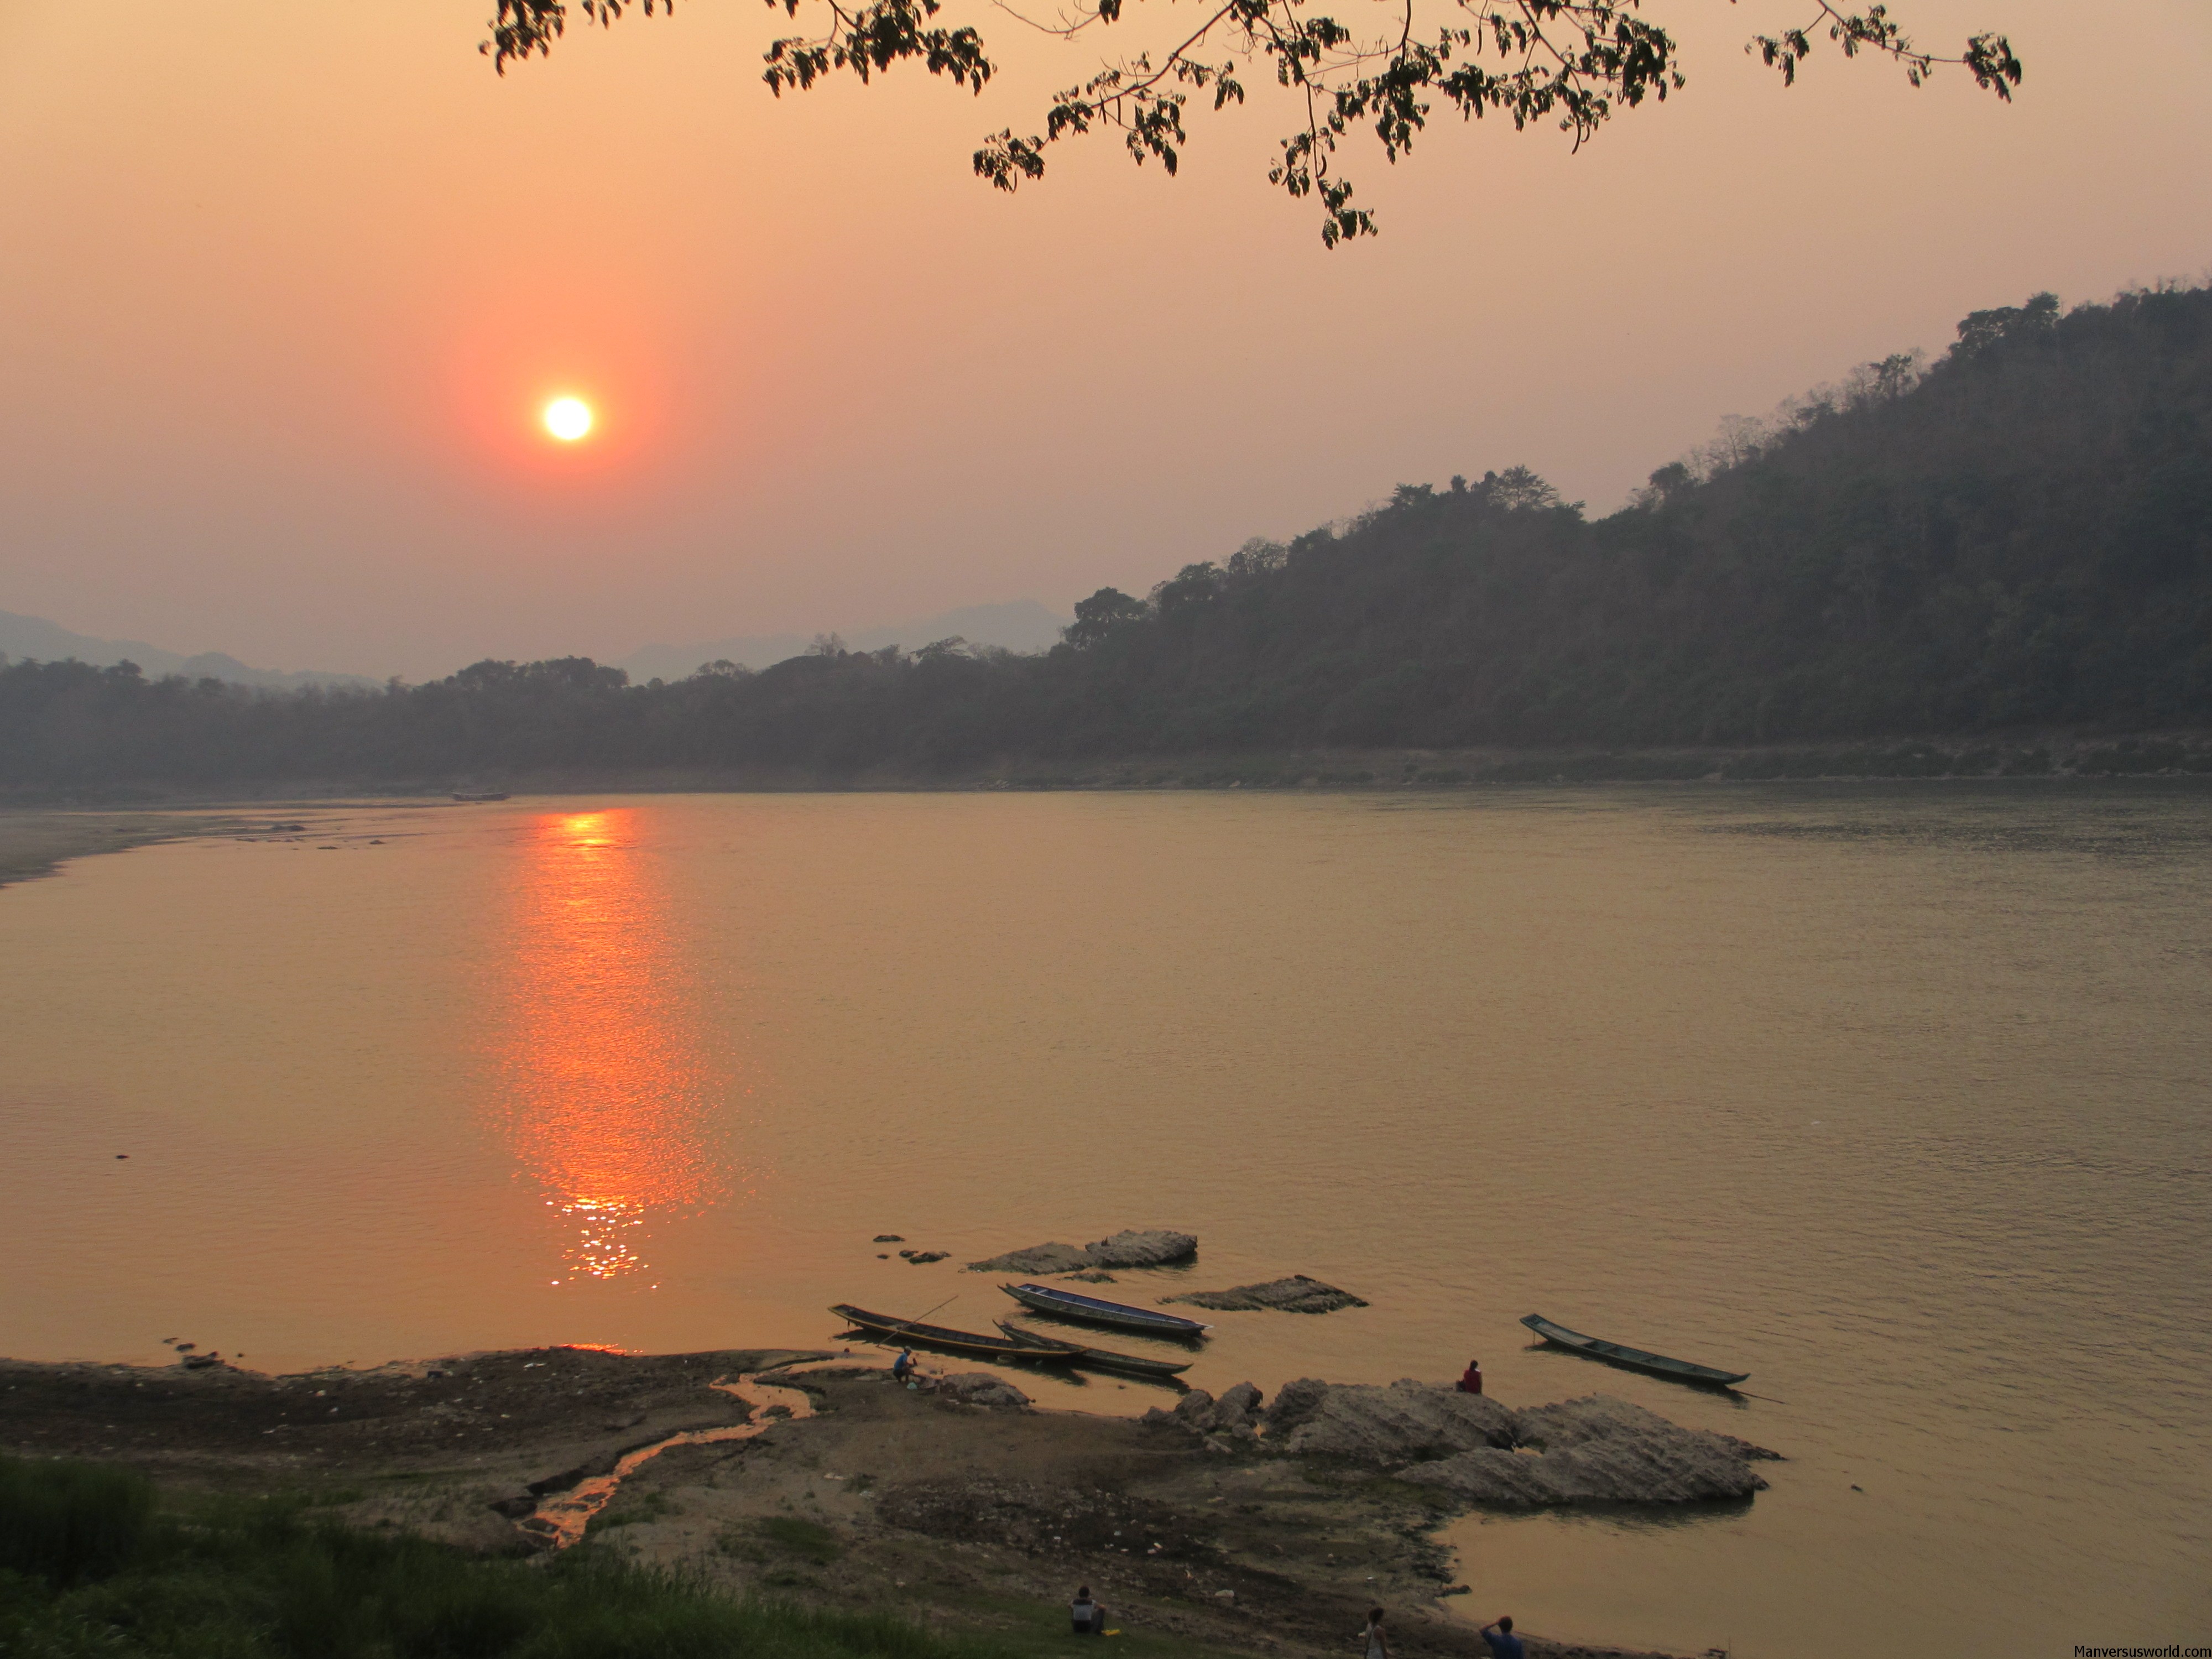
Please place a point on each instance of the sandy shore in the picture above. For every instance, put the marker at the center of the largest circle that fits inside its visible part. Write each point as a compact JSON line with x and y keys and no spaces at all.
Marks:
{"x":883,"y":1497}
{"x":34,"y":841}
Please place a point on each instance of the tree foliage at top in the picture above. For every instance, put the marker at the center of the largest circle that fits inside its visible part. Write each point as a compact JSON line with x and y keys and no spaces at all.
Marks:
{"x":2018,"y":535}
{"x":1572,"y":64}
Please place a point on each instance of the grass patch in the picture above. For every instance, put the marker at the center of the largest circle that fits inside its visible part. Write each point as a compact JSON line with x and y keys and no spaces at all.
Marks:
{"x":782,"y":1538}
{"x":90,"y":1565}
{"x":809,"y":1540}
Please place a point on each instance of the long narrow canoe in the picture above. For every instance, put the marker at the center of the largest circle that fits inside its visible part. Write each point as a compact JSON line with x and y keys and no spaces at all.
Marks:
{"x":1067,"y":1304}
{"x":942,"y":1336}
{"x":1104,"y":1359}
{"x":1681,"y":1370}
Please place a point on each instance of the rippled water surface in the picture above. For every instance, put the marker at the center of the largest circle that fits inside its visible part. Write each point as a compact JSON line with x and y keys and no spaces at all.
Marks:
{"x":1896,"y":1099}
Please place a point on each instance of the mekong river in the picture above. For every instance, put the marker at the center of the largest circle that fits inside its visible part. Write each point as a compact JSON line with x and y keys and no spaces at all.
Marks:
{"x":1897,"y":1098}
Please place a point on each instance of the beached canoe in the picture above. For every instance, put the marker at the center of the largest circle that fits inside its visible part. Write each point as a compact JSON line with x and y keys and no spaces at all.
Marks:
{"x":1104,"y":1359}
{"x":942,"y":1336}
{"x":1681,"y":1370}
{"x":1067,"y":1304}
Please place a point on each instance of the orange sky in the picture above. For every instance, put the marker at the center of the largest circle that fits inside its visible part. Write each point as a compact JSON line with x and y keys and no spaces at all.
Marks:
{"x":282,"y":286}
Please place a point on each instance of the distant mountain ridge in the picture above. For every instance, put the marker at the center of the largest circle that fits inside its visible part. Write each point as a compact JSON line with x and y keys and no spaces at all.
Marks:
{"x":39,"y":640}
{"x":1018,"y":625}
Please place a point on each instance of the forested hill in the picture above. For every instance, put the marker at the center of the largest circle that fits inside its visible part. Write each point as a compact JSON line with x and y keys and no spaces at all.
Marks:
{"x":2019,"y":534}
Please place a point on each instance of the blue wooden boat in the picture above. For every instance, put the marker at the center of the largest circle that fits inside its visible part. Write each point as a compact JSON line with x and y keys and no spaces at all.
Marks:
{"x":1614,"y":1353}
{"x":1091,"y":1311}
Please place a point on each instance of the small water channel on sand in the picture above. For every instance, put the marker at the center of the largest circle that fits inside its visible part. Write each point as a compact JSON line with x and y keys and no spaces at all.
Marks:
{"x":563,"y":1518}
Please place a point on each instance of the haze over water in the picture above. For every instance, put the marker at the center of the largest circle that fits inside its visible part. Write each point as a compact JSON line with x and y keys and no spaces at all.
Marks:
{"x":1896,"y":1098}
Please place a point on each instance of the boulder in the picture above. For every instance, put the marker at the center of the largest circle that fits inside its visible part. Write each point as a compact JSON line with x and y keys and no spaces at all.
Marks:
{"x":976,"y":1389}
{"x":1235,"y":1415}
{"x":1297,"y":1294}
{"x":1126,"y":1249}
{"x":1238,"y":1408}
{"x":1407,"y":1422}
{"x":1156,"y":1249}
{"x":1038,"y":1260}
{"x":1194,"y":1410}
{"x":1294,"y":1403}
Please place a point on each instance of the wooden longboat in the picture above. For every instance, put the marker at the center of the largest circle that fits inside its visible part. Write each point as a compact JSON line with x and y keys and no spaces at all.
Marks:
{"x":1094,"y":1310}
{"x":1615,"y":1353}
{"x":1104,"y":1359}
{"x":942,"y":1336}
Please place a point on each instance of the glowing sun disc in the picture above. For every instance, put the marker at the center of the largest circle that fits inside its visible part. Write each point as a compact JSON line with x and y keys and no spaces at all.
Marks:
{"x":567,"y":418}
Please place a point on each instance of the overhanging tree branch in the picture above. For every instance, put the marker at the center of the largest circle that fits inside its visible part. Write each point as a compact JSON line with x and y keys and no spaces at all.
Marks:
{"x":1576,"y":63}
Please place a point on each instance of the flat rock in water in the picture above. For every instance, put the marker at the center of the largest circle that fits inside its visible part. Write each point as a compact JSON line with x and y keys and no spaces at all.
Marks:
{"x":1037,"y":1259}
{"x":1126,"y":1249}
{"x":1297,"y":1294}
{"x":1157,"y":1248}
{"x":1090,"y":1277}
{"x":1593,"y":1450}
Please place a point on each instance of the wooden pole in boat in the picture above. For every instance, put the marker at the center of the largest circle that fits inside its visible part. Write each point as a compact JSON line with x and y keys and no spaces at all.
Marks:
{"x":918,"y":1318}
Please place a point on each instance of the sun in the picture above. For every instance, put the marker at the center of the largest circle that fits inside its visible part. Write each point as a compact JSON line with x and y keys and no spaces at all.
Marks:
{"x":567,"y":418}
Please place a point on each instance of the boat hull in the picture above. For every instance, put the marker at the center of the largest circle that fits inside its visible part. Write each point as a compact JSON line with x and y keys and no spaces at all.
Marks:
{"x":907,"y":1331}
{"x":1635,"y":1359}
{"x":1092,"y":1310}
{"x":1104,"y":1359}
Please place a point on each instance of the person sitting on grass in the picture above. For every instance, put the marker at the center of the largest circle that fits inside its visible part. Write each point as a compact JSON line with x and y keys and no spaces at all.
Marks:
{"x":1090,"y":1618}
{"x":1503,"y":1643}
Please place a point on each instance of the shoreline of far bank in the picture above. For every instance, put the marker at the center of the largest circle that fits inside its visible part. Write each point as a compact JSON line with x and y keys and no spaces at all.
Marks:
{"x":2028,"y":756}
{"x":963,"y":1515}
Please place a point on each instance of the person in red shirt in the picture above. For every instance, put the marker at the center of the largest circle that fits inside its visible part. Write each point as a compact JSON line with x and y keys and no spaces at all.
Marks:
{"x":1472,"y":1382}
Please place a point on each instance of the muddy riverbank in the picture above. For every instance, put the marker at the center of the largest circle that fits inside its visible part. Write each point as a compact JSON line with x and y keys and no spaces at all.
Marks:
{"x":862,"y":1492}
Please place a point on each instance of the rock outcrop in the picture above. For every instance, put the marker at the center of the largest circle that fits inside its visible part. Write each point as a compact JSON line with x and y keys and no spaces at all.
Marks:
{"x":976,"y":1389}
{"x":1593,"y":1450}
{"x":1407,"y":1422}
{"x":1233,"y":1419}
{"x":1297,"y":1294}
{"x":1127,"y":1248}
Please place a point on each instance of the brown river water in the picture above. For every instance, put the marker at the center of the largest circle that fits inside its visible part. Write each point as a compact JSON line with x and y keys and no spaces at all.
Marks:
{"x":1899,"y":1099}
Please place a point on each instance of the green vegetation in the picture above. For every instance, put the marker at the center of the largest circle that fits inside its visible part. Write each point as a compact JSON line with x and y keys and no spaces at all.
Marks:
{"x":89,"y":1566}
{"x":2017,"y":536}
{"x":1569,"y":63}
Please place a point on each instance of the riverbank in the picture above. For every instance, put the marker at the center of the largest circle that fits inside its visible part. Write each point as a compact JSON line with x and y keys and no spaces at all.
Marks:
{"x":970,"y":1518}
{"x":36,"y":841}
{"x":2056,"y":756}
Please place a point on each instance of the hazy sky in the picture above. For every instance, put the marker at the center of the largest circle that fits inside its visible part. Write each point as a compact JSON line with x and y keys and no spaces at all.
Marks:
{"x":284,"y":283}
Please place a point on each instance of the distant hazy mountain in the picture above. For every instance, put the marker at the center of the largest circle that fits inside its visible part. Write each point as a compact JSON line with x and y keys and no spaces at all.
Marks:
{"x":1022,"y":625}
{"x":42,"y":640}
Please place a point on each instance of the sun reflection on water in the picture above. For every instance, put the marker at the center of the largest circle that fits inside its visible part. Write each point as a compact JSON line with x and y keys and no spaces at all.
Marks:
{"x":606,"y":1092}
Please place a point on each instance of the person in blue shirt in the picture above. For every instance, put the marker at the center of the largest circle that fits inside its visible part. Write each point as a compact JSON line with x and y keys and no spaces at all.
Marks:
{"x":1499,"y":1636}
{"x":902,"y":1367}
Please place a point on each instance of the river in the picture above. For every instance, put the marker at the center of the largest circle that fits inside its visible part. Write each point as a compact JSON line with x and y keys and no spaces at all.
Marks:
{"x":1899,"y":1098}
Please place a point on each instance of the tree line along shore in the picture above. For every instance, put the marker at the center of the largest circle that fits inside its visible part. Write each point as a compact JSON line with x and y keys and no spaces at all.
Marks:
{"x":2015,"y":538}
